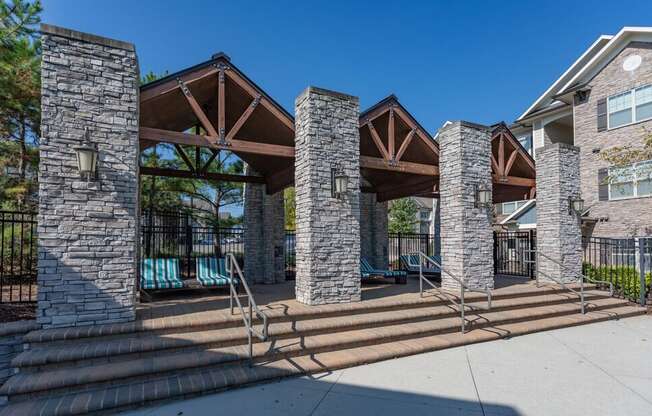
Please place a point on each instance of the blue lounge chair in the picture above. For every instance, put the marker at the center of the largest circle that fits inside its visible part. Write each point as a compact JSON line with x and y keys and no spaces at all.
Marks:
{"x":158,"y":274}
{"x":410,"y":263}
{"x":211,"y":272}
{"x":366,"y":272}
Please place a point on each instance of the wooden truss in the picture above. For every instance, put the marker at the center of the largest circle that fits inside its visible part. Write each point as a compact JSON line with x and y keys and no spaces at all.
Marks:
{"x":502,"y":167}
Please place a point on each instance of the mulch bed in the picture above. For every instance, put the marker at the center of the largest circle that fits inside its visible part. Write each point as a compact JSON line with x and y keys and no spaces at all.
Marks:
{"x":10,"y":312}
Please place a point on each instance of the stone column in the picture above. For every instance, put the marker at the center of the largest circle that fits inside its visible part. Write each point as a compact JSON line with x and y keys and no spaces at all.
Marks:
{"x":328,"y":228}
{"x":87,"y":232}
{"x":373,"y":230}
{"x":559,"y":233}
{"x":466,"y":234}
{"x":264,"y":235}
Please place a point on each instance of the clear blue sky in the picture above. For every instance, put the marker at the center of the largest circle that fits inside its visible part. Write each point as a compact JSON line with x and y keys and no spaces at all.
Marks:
{"x":481,"y":61}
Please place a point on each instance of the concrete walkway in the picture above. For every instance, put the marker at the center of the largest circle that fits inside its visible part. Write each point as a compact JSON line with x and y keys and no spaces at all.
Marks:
{"x":598,"y":369}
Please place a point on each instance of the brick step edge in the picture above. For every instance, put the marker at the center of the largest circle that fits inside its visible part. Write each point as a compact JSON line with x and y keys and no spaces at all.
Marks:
{"x":37,"y":359}
{"x":206,"y":381}
{"x":178,"y":324}
{"x":30,"y":385}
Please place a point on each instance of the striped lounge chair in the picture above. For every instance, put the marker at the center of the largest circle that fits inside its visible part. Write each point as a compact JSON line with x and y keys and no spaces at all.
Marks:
{"x":366,"y":272}
{"x":158,"y":274}
{"x":410,"y":263}
{"x":211,"y":272}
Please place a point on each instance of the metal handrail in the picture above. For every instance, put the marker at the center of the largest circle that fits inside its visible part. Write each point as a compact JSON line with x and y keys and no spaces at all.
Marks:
{"x":231,"y":264}
{"x":580,"y":276}
{"x":463,"y":287}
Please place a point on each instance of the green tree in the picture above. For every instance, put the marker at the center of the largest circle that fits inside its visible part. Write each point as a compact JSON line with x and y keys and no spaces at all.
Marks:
{"x":19,"y":101}
{"x":402,"y":216}
{"x":290,"y":205}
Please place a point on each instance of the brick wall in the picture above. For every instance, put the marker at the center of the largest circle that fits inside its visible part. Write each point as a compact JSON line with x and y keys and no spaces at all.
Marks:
{"x":625,"y":217}
{"x":87,"y":231}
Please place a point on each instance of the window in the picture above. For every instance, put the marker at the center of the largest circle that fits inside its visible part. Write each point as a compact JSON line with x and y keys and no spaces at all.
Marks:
{"x":526,"y":142}
{"x":511,"y":207}
{"x":631,"y":181}
{"x":425,"y":215}
{"x":630,"y":107}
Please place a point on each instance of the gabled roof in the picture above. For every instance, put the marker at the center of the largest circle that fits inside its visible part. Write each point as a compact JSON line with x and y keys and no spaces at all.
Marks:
{"x":615,"y":45}
{"x":519,"y":212}
{"x":546,"y":98}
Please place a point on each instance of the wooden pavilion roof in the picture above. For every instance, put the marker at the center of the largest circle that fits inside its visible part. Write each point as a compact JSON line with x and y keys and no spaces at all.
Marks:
{"x":214,"y":105}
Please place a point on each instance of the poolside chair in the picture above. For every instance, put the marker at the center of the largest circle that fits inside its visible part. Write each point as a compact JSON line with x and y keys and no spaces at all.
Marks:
{"x":156,"y":274}
{"x":211,"y":272}
{"x":366,"y":272}
{"x":410,"y":263}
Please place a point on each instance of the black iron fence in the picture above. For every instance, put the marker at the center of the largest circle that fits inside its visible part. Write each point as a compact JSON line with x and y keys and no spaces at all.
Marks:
{"x":186,"y":237}
{"x":625,"y":262}
{"x":408,"y":243}
{"x":512,"y":255}
{"x":18,"y":256}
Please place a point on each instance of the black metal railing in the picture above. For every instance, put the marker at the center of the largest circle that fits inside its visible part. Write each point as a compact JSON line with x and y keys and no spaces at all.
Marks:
{"x":512,"y":250}
{"x":410,"y":243}
{"x":18,"y":256}
{"x":625,"y":262}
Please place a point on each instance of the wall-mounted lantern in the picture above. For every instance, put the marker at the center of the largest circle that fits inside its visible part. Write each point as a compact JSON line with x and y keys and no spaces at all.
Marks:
{"x":575,"y":206}
{"x":87,"y":158}
{"x":482,"y":197}
{"x":338,"y":182}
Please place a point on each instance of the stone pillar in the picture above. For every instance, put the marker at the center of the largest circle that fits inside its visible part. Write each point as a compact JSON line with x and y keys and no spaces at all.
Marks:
{"x":466,"y":234}
{"x":264,"y":236}
{"x":87,"y":231}
{"x":559,"y":233}
{"x":373,"y":230}
{"x":328,"y":228}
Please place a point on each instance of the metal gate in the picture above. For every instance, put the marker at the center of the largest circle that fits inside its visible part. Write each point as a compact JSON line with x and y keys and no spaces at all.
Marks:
{"x":512,"y":253}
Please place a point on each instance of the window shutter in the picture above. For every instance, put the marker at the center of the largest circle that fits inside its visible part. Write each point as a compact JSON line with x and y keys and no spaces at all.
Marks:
{"x":602,"y":114}
{"x":603,"y":184}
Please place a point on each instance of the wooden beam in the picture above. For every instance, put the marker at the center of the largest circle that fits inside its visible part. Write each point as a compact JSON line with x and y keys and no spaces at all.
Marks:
{"x":221,"y":110}
{"x":405,"y":144}
{"x":215,"y":154}
{"x":510,"y":162}
{"x":424,"y":138}
{"x":501,"y":154}
{"x":406,"y":190}
{"x":377,"y":141}
{"x":513,"y":180}
{"x":236,"y":145}
{"x":172,"y":85}
{"x":145,"y":144}
{"x":197,"y":175}
{"x":391,"y":139}
{"x":369,"y":162}
{"x":242,"y":83}
{"x":243,"y":118}
{"x":185,"y":157}
{"x":199,"y":113}
{"x":495,"y":165}
{"x":279,"y":180}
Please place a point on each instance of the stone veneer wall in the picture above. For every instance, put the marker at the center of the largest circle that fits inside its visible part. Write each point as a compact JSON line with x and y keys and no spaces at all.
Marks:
{"x":629,"y":216}
{"x":264,"y":238}
{"x":466,"y":233}
{"x":558,"y":232}
{"x":11,"y":344}
{"x":327,"y":228}
{"x":87,"y":240}
{"x":374,"y":239}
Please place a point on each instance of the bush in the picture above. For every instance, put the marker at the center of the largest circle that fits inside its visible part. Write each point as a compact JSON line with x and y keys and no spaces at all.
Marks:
{"x":626,"y":280}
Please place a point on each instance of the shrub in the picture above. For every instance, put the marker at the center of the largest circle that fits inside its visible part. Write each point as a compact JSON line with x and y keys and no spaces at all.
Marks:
{"x":626,"y":280}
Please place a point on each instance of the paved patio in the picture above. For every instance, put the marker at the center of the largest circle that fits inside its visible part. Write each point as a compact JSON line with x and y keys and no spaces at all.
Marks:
{"x":598,"y":369}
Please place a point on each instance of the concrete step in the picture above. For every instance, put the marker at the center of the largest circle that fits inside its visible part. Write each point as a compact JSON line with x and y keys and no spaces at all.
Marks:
{"x":144,"y":345}
{"x":222,"y":319}
{"x":211,"y":379}
{"x":28,"y":385}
